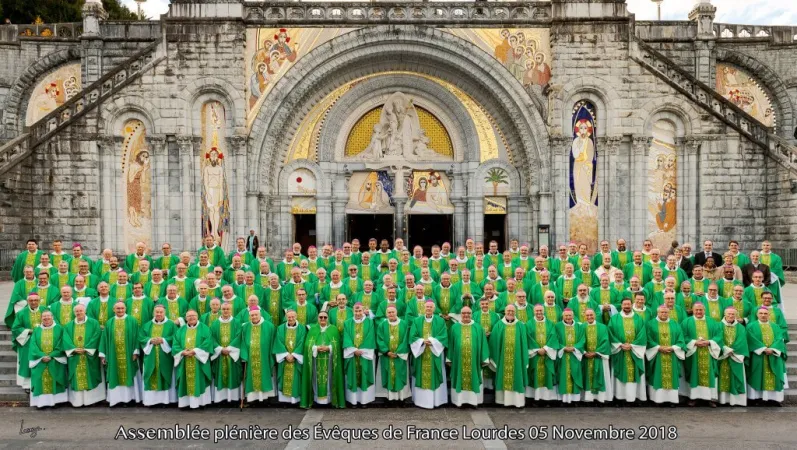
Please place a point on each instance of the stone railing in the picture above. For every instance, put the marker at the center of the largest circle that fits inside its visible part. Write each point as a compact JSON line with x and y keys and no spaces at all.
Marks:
{"x":784,"y":151}
{"x":12,"y":33}
{"x":776,"y":34}
{"x":87,"y":99}
{"x":428,"y":13}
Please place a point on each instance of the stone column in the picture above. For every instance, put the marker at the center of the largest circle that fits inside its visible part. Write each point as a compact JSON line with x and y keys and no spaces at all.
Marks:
{"x":554,"y":205}
{"x":339,"y":222}
{"x":400,"y":200}
{"x":690,"y":166}
{"x":240,"y":221}
{"x":108,"y":205}
{"x":639,"y":188}
{"x":186,"y":147}
{"x":252,"y":214}
{"x":612,"y":191}
{"x":458,"y":193}
{"x":514,"y":210}
{"x":92,"y":43}
{"x":267,"y":225}
{"x":160,"y":189}
{"x":323,"y":220}
{"x":705,"y":64}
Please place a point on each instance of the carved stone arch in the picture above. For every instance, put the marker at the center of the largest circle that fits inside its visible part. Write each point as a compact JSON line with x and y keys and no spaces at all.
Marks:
{"x":373,"y":92}
{"x":770,"y":82}
{"x":118,"y":110}
{"x":373,"y":50}
{"x":476,"y":184}
{"x":201,"y":91}
{"x":683,"y":115}
{"x":19,"y":95}
{"x":597,"y":91}
{"x":324,"y":186}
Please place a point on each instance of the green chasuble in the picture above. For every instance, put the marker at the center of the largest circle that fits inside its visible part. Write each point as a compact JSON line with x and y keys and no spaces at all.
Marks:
{"x":25,"y":322}
{"x":118,"y":344}
{"x":772,"y":260}
{"x":596,"y":340}
{"x":19,"y":298}
{"x":121,"y":292}
{"x":216,"y":255}
{"x":417,"y":307}
{"x":23,"y":260}
{"x":185,"y":287}
{"x":140,"y":309}
{"x":359,"y":335}
{"x":542,"y":335}
{"x":201,"y":306}
{"x":322,"y":372}
{"x":48,"y":377}
{"x":566,"y":287}
{"x":628,"y":366}
{"x":428,"y":364}
{"x":569,"y":374}
{"x":209,"y":317}
{"x":306,"y":314}
{"x":509,"y":354}
{"x":226,"y":368}
{"x":393,"y":337}
{"x":272,"y":303}
{"x":192,"y":373}
{"x":700,"y":368}
{"x":158,"y":363}
{"x":63,"y":312}
{"x":338,"y":317}
{"x":580,"y":308}
{"x":664,"y":370}
{"x":100,"y":310}
{"x":767,"y":372}
{"x":84,"y":369}
{"x":156,"y":290}
{"x":290,"y":340}
{"x":600,"y":297}
{"x":468,"y":352}
{"x":257,"y":342}
{"x":48,"y":294}
{"x":732,"y":379}
{"x":381,"y":312}
{"x":175,"y":309}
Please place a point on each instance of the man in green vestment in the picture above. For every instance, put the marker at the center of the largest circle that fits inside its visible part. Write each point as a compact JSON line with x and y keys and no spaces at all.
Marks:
{"x":359,"y":358}
{"x":63,"y":309}
{"x":257,"y":342}
{"x":543,"y":348}
{"x":25,"y":321}
{"x":176,"y":307}
{"x":100,"y":308}
{"x":289,"y":353}
{"x":139,"y":306}
{"x":703,"y":339}
{"x":19,"y":295}
{"x":391,"y":299}
{"x":157,"y":337}
{"x":306,"y":313}
{"x":81,"y":344}
{"x":428,"y":339}
{"x":167,"y":260}
{"x":322,"y":376}
{"x":742,"y":306}
{"x":47,"y":364}
{"x":226,"y":332}
{"x":772,"y":260}
{"x":732,"y":382}
{"x":29,"y":258}
{"x":132,"y":260}
{"x":191,"y":347}
{"x":666,"y":348}
{"x":213,"y":313}
{"x":340,"y":313}
{"x":509,"y":356}
{"x":273,"y":300}
{"x":215,"y":253}
{"x":628,"y":340}
{"x":392,"y":341}
{"x":569,"y":375}
{"x":468,"y":354}
{"x":156,"y":288}
{"x":47,"y":292}
{"x":767,"y":377}
{"x":595,"y":365}
{"x":119,"y":353}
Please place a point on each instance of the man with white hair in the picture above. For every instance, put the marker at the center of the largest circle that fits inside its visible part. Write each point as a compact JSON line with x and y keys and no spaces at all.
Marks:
{"x":226,"y":332}
{"x":359,"y":357}
{"x":732,"y":381}
{"x":289,"y":354}
{"x":665,"y":350}
{"x":81,"y":344}
{"x":703,"y":347}
{"x":47,"y":364}
{"x":63,"y":310}
{"x":428,"y":339}
{"x":158,"y":366}
{"x":257,"y":340}
{"x":25,"y":321}
{"x":767,"y":378}
{"x":119,"y":353}
{"x":509,"y":355}
{"x":191,"y":348}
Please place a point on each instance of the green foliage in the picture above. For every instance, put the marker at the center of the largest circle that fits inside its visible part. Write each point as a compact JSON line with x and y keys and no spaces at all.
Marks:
{"x":58,"y":11}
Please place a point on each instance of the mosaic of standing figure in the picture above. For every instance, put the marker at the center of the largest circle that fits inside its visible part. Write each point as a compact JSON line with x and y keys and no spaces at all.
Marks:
{"x":136,"y":185}
{"x":215,"y":200}
{"x":583,"y":177}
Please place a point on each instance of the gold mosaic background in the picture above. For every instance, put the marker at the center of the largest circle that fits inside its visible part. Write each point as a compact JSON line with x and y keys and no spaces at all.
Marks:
{"x":360,"y":135}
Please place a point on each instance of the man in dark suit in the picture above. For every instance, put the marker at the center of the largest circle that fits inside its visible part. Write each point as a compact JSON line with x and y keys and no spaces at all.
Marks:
{"x":753,"y":266}
{"x":683,"y":263}
{"x":708,"y":252}
{"x":252,"y":242}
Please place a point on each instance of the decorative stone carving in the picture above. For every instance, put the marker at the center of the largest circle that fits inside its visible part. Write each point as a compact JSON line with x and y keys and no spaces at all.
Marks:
{"x":398,"y":136}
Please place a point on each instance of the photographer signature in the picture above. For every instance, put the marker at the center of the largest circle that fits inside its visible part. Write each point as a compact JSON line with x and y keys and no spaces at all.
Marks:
{"x":32,"y":431}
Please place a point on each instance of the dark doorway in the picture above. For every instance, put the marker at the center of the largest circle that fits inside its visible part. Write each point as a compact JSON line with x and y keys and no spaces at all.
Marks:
{"x":429,"y":230}
{"x":495,"y":230}
{"x":304,"y":230}
{"x":367,"y":226}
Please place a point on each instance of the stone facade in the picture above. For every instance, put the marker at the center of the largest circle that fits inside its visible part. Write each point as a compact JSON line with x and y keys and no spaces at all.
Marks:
{"x":72,"y":187}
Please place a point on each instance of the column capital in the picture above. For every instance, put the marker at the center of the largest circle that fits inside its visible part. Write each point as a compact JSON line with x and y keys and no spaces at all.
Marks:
{"x":238,"y":144}
{"x":641,"y":143}
{"x":703,"y":13}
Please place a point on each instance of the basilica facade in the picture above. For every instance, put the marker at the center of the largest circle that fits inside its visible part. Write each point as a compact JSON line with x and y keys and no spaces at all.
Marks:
{"x":548,"y":121}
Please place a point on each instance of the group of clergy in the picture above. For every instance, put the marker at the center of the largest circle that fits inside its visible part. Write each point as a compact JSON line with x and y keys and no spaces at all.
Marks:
{"x":448,"y":327}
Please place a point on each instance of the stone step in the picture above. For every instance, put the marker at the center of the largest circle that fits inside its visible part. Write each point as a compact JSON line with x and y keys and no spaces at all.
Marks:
{"x":8,"y":367}
{"x":8,"y":379}
{"x":790,"y":394}
{"x":791,"y":370}
{"x":13,"y":394}
{"x":8,"y":356}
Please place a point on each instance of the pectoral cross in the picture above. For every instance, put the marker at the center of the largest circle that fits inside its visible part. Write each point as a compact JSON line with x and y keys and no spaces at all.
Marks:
{"x":188,"y":340}
{"x":290,"y":343}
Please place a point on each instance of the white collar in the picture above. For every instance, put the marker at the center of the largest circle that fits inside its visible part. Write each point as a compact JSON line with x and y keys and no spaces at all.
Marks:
{"x":85,"y":319}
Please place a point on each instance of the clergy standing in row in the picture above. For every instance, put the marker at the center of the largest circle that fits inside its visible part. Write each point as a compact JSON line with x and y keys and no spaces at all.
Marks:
{"x":192,"y":347}
{"x":510,"y":358}
{"x":767,"y":378}
{"x":226,"y":333}
{"x":322,"y":376}
{"x":119,"y":353}
{"x":543,"y":347}
{"x":468,"y":353}
{"x":428,"y":339}
{"x":359,"y":357}
{"x":392,"y":341}
{"x":257,"y":337}
{"x":82,"y":338}
{"x":570,"y":382}
{"x":289,"y":353}
{"x":666,"y":350}
{"x":595,"y":365}
{"x":47,"y":364}
{"x":158,"y":362}
{"x":732,"y":378}
{"x":628,"y":338}
{"x":703,"y":340}
{"x":25,"y":322}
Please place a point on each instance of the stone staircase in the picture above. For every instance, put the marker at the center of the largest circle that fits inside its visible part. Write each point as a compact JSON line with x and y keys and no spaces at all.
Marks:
{"x":791,"y":363}
{"x":20,"y":148}
{"x":781,"y":150}
{"x":9,"y":391}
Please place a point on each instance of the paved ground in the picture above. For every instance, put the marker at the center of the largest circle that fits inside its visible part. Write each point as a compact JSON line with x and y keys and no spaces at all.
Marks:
{"x":722,"y":428}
